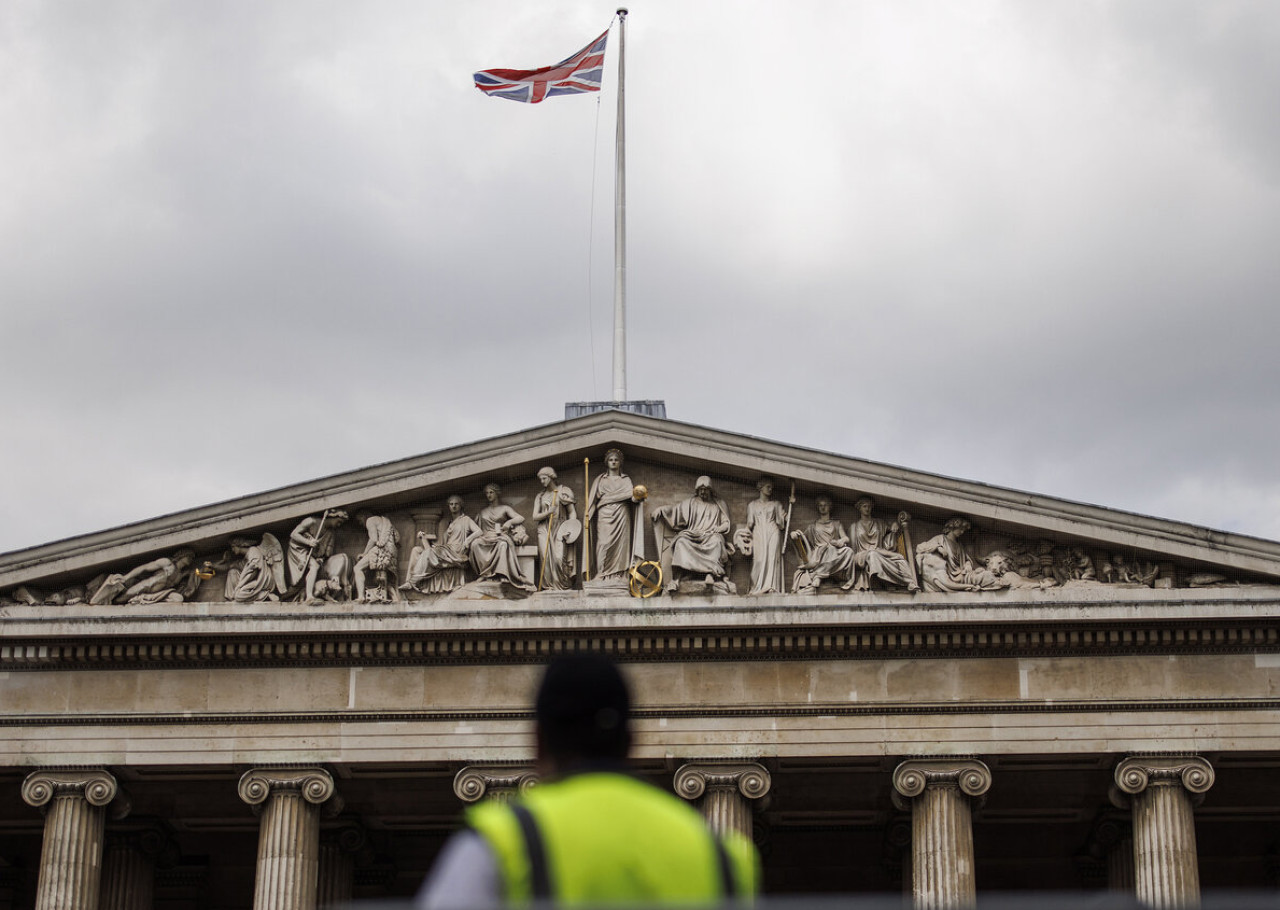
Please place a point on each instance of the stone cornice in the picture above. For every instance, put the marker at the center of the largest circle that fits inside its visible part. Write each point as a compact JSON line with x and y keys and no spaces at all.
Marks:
{"x":220,"y":635}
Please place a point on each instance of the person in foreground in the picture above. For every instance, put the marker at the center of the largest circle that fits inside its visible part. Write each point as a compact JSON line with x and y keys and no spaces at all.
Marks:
{"x":588,"y":833}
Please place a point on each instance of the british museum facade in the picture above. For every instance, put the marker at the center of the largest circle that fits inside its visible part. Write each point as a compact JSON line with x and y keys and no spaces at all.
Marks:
{"x":893,"y":681}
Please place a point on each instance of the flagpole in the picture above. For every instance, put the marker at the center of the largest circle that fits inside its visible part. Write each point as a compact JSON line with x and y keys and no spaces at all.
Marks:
{"x":620,"y":225}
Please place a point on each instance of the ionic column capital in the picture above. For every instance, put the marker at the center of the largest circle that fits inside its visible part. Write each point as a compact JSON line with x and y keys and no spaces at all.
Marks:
{"x":750,"y":779}
{"x":94,"y":785}
{"x":474,"y":782}
{"x":971,"y":776}
{"x":347,"y":836}
{"x":1138,"y":772}
{"x":315,"y":785}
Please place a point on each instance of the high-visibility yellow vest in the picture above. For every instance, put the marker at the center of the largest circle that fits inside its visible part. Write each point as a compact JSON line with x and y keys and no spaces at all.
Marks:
{"x":609,"y":838}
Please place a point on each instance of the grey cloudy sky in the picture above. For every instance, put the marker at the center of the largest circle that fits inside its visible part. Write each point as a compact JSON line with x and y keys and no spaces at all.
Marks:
{"x":244,"y":245}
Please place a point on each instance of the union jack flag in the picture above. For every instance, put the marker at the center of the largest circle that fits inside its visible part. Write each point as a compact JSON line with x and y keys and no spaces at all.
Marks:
{"x":571,"y":76}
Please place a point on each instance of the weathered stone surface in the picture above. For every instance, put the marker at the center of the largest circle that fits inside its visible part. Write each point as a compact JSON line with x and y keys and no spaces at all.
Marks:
{"x":939,"y":791}
{"x":499,"y":782}
{"x":724,"y":791}
{"x":1163,"y":791}
{"x":71,"y":858}
{"x":289,"y":838}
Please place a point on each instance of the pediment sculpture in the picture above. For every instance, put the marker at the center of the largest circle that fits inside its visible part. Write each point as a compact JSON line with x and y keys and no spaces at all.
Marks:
{"x":696,"y":530}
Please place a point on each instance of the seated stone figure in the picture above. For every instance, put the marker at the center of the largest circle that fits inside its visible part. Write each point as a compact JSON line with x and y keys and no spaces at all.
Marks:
{"x":438,"y":564}
{"x":875,"y":550}
{"x":694,"y":536}
{"x":825,"y":552}
{"x":493,"y":552}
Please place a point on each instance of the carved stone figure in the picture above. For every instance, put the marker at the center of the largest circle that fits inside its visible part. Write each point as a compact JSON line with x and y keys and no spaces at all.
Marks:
{"x":232,"y":563}
{"x":67,"y":596}
{"x":309,"y":545}
{"x":827,"y":553}
{"x":609,"y":503}
{"x":765,"y":521}
{"x":261,"y":575}
{"x":693,"y":535}
{"x":493,"y":552}
{"x":946,"y":565}
{"x":1120,"y":571}
{"x":1082,"y":565}
{"x":875,"y":549}
{"x":558,"y":531}
{"x":440,"y":567}
{"x":380,"y":556}
{"x":171,"y":580}
{"x":334,"y":582}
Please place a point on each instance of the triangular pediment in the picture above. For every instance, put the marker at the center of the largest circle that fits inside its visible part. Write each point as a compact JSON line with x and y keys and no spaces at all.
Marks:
{"x":1046,"y":541}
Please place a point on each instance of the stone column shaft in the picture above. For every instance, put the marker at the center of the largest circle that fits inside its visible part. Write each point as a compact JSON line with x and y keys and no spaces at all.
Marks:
{"x":71,"y":855}
{"x":1120,"y":868}
{"x":335,"y":877}
{"x":723,"y":791}
{"x":337,"y":872}
{"x":942,"y":864}
{"x":129,"y":862}
{"x":289,"y":834}
{"x":1163,"y":791}
{"x":128,"y":879}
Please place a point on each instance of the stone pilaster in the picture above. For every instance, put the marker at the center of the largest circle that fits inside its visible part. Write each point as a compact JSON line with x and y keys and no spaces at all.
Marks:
{"x":501,"y":782}
{"x":723,"y":791}
{"x":337,"y":876}
{"x":939,"y":793}
{"x":71,"y":856}
{"x":129,"y":867}
{"x":289,"y":800}
{"x":1163,"y":792}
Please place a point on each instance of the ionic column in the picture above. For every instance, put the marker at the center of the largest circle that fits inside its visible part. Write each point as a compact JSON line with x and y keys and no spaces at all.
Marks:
{"x":1163,"y":792}
{"x":500,"y":782}
{"x":722,"y":791}
{"x":337,"y":875}
{"x":289,"y":800}
{"x":129,"y":867}
{"x":939,"y":793}
{"x":71,"y":856}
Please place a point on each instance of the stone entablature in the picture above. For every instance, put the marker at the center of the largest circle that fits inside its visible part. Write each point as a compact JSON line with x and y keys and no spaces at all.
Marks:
{"x":1037,"y":624}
